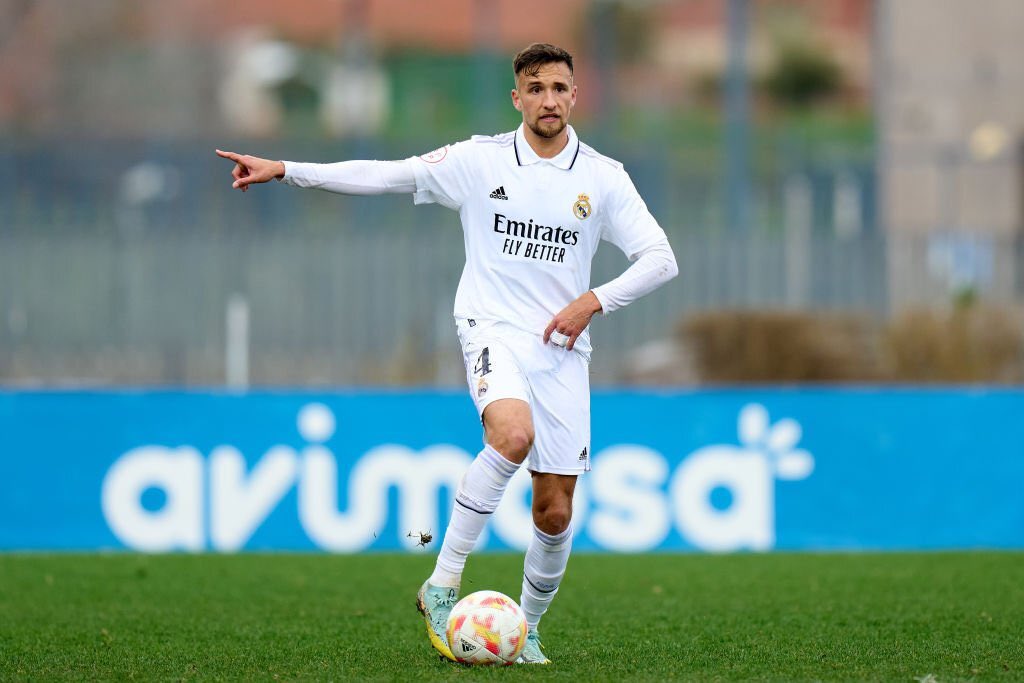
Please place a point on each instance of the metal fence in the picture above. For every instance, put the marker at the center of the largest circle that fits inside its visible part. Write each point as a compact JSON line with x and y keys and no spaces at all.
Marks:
{"x":134,"y":263}
{"x":371,"y":304}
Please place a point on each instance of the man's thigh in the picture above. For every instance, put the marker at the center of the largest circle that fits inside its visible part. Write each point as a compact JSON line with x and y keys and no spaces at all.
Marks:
{"x":561,"y":415}
{"x":508,"y":428}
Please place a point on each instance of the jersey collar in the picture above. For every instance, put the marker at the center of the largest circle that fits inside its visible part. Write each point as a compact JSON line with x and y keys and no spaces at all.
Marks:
{"x":525,"y":156}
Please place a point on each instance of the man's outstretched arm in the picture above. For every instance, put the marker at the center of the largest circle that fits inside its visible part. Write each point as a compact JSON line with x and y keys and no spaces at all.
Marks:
{"x":346,"y":177}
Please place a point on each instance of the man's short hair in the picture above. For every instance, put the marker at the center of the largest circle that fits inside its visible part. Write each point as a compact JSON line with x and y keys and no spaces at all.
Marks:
{"x":531,"y":58}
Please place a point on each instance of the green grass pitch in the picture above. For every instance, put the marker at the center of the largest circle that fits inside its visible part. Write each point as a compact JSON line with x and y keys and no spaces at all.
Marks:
{"x":784,"y":617}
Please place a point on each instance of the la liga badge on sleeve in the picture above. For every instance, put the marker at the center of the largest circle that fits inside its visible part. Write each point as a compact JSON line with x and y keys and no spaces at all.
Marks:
{"x":581,"y":209}
{"x":435,"y":156}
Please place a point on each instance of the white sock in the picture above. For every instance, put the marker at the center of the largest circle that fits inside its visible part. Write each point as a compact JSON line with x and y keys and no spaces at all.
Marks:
{"x":545,"y":563}
{"x":478,"y":495}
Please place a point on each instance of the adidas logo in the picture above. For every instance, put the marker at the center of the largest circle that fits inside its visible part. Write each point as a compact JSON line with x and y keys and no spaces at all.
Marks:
{"x":583,"y":453}
{"x":467,"y":646}
{"x":499,"y":194}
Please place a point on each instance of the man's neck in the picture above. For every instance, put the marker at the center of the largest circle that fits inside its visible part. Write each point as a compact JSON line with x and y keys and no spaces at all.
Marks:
{"x":546,"y":148}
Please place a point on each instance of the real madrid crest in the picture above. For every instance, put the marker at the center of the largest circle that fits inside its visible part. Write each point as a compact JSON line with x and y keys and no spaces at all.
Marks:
{"x":581,"y":209}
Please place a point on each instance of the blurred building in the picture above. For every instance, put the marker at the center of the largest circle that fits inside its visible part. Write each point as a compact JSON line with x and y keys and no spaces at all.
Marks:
{"x":689,"y":40}
{"x":145,"y":68}
{"x":950,"y":131}
{"x":124,"y":68}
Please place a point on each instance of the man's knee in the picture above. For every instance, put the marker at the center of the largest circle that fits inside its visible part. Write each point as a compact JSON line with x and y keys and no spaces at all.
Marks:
{"x":512,"y":441}
{"x":553,"y":518}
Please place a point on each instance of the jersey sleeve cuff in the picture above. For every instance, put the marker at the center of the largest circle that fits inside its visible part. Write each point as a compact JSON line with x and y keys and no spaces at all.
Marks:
{"x":603,"y":299}
{"x":289,"y":169}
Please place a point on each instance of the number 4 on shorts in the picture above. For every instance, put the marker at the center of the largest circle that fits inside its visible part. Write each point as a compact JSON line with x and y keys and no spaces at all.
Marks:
{"x":483,"y":362}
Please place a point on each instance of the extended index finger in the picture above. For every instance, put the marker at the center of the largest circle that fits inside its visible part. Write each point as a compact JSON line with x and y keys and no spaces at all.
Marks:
{"x":237,"y":158}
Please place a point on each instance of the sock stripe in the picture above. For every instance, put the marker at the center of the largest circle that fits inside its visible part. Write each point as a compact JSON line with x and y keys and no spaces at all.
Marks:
{"x":537,"y":588}
{"x":548,"y":539}
{"x":473,"y":509}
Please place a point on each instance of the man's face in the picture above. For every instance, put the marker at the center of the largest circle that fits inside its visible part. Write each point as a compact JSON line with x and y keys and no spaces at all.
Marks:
{"x":545,"y":98}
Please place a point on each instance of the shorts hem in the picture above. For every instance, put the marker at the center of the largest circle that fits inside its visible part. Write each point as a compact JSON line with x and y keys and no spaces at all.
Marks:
{"x":482,"y":405}
{"x":557,"y":470}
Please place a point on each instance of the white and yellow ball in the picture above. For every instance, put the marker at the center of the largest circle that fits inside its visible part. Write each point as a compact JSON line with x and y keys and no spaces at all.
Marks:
{"x":487,"y":627}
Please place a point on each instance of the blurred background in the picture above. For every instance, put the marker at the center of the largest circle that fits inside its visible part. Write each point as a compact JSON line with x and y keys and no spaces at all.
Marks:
{"x":842,"y":182}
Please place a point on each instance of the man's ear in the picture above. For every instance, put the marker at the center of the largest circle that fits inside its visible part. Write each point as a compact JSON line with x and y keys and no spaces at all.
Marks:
{"x":515,"y":100}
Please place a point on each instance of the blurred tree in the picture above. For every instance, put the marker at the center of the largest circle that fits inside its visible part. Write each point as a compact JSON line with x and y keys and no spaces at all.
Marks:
{"x":300,"y":102}
{"x":803,"y":73}
{"x":634,"y":26}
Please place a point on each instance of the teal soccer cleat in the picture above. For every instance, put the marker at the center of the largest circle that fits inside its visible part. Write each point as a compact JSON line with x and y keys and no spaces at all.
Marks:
{"x":435,"y":604}
{"x":533,"y":651}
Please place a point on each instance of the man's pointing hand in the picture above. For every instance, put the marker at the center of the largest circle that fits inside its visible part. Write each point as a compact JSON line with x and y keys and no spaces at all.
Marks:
{"x":249,"y":169}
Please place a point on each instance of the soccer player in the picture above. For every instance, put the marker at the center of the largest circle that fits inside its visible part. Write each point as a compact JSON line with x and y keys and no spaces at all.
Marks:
{"x":534,"y":205}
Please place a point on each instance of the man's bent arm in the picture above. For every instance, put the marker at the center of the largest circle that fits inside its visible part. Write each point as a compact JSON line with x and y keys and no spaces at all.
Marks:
{"x":654,"y":266}
{"x":353,"y":177}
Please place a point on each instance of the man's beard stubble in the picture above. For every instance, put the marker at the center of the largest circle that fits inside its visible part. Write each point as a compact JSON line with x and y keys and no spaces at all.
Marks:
{"x":548,"y":133}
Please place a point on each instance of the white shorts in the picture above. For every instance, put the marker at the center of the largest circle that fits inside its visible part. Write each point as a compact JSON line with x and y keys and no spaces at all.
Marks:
{"x":503,"y":361}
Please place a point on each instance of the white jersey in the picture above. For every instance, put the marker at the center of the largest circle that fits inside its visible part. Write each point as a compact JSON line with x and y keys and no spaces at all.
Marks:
{"x":532,"y":225}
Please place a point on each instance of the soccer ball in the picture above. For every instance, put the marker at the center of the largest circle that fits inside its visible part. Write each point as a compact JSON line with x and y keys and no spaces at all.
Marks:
{"x":487,"y":627}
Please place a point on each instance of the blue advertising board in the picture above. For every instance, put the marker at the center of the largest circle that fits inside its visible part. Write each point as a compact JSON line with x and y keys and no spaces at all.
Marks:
{"x":707,"y":470}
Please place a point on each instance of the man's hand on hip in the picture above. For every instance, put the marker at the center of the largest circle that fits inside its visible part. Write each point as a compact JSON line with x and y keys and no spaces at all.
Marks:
{"x":573,"y":319}
{"x":249,"y":169}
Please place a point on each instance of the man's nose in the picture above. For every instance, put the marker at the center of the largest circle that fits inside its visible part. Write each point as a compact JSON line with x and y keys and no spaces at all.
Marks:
{"x":549,"y":101}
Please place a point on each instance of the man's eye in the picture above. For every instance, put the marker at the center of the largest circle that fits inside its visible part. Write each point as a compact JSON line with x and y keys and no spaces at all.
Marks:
{"x":535,"y":90}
